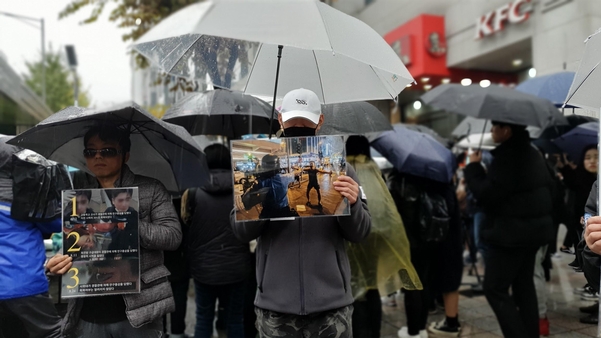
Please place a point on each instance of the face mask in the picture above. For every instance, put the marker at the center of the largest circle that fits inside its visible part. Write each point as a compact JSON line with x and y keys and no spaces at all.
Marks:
{"x":299,"y":131}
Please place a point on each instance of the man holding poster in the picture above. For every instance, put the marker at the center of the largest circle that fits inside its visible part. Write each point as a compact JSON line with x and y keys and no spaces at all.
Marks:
{"x":107,"y":150}
{"x":296,"y":295}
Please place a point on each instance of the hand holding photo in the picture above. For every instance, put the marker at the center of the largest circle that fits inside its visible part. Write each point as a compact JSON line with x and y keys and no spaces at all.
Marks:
{"x":289,"y":177}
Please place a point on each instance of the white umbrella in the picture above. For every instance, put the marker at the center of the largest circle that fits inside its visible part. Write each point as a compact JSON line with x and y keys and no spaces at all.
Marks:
{"x":235,"y":44}
{"x":584,"y":91}
{"x":477,"y":141}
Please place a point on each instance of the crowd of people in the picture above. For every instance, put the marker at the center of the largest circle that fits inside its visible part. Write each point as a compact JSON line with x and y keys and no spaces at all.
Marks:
{"x":321,"y":276}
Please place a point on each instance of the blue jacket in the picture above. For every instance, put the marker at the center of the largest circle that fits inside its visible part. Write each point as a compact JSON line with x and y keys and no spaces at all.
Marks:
{"x":22,"y":255}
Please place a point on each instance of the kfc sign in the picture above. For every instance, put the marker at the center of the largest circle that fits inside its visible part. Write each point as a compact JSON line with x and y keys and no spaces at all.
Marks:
{"x":495,"y":21}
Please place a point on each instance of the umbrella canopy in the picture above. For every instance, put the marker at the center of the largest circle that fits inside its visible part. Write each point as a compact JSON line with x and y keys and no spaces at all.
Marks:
{"x":416,"y":154}
{"x":159,"y":149}
{"x":220,"y":112}
{"x":552,"y":87}
{"x":477,"y":141}
{"x":494,"y":103}
{"x":584,"y":91}
{"x":544,"y":137}
{"x":470,"y":125}
{"x":423,"y":129}
{"x":352,"y":118}
{"x":574,"y":142}
{"x":235,"y":44}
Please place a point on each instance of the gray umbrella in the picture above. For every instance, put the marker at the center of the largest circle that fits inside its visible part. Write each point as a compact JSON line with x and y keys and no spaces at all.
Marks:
{"x":494,"y":103}
{"x":221,"y":112}
{"x":353,"y":118}
{"x":471,"y":125}
{"x":159,"y":149}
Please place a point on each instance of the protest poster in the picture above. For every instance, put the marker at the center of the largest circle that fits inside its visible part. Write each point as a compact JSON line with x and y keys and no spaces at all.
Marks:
{"x":100,"y":233}
{"x":283,"y":178}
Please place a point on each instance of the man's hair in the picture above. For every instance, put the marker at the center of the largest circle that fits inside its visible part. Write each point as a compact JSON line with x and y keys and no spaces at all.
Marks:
{"x":117,"y":192}
{"x":515,"y":128}
{"x":109,"y":133}
{"x":86,"y":193}
{"x":357,"y":145}
{"x":218,"y":157}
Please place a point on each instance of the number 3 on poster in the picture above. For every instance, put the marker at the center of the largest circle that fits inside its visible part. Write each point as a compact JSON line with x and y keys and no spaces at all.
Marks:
{"x":74,"y":277}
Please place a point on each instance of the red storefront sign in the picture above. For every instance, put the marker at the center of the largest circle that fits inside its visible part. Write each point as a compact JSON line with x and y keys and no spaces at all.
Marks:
{"x":494,"y":21}
{"x":421,"y":44}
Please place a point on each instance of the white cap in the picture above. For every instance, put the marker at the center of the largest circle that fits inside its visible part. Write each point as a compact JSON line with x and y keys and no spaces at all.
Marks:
{"x":301,"y":103}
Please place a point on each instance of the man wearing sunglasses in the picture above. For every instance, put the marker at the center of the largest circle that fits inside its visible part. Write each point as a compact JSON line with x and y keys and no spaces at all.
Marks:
{"x":107,"y":150}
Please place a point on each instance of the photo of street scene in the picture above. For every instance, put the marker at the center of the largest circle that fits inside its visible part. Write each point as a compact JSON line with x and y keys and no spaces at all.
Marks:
{"x":288,"y":177}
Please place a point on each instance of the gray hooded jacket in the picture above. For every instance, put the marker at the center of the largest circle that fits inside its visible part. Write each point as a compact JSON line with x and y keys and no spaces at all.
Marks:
{"x":302,"y":265}
{"x":159,"y":230}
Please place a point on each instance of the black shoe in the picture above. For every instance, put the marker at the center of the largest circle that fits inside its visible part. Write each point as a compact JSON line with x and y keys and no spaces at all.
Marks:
{"x":590,"y":309}
{"x":593,"y":318}
{"x":442,"y":329}
{"x":574,"y":264}
{"x":590,"y":295}
{"x":579,"y":270}
{"x":566,"y":250}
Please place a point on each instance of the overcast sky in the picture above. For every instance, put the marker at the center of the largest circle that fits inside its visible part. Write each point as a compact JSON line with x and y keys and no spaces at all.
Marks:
{"x":101,"y":53}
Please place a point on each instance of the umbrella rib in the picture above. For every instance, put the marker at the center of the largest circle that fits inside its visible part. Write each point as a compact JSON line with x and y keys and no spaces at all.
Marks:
{"x":381,"y":81}
{"x":581,"y":83}
{"x":186,"y":51}
{"x":323,"y":94}
{"x":253,"y":68}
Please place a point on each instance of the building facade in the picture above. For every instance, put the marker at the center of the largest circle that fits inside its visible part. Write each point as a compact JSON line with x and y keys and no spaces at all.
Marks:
{"x":479,"y":42}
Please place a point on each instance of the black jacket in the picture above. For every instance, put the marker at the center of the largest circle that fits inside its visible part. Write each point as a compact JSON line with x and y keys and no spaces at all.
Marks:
{"x":516,"y":194}
{"x":591,"y":261}
{"x":216,"y":256}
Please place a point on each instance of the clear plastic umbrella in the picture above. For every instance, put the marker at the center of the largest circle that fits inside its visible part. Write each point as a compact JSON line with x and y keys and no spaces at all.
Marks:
{"x":238,"y":44}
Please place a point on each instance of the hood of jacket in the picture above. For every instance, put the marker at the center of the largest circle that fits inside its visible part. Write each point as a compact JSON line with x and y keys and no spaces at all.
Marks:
{"x":221,"y":182}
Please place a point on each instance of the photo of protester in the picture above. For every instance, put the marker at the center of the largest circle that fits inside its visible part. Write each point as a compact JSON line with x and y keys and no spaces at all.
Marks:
{"x":100,"y":233}
{"x":288,"y":177}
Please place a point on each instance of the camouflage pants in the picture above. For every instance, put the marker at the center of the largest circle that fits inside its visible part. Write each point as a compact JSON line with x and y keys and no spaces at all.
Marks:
{"x":330,"y":324}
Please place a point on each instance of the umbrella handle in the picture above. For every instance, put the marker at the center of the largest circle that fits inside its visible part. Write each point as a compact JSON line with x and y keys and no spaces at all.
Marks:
{"x":482,"y":137}
{"x":275,"y":90}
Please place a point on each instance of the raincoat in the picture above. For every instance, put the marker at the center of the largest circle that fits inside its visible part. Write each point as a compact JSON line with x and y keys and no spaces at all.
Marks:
{"x":22,"y":251}
{"x":383,"y":260}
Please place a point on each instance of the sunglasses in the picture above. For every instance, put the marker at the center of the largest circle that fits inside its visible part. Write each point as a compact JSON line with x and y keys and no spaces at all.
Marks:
{"x":105,"y":152}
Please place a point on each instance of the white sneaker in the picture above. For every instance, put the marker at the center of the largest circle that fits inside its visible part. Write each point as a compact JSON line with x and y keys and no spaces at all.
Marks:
{"x":404,"y":333}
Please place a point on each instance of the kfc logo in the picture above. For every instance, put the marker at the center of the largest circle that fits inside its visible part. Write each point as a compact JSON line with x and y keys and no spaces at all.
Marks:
{"x":435,"y":45}
{"x":495,"y":21}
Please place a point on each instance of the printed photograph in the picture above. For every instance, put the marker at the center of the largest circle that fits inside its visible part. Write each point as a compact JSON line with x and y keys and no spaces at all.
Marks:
{"x":288,"y":177}
{"x":100,"y":233}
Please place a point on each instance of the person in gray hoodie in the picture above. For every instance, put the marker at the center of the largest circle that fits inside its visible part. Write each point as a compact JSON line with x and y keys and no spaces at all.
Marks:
{"x":303,"y":271}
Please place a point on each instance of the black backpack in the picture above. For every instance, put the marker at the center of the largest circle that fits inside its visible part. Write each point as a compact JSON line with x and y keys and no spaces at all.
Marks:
{"x":434,"y":219}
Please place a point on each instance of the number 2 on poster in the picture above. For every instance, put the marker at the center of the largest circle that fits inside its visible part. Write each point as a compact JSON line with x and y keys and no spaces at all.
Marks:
{"x":74,"y":277}
{"x":73,"y":247}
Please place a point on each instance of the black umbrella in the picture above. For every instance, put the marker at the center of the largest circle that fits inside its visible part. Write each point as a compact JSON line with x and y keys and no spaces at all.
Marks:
{"x":353,"y":118}
{"x":547,"y":135}
{"x":159,"y":149}
{"x":494,"y":103}
{"x":221,"y":112}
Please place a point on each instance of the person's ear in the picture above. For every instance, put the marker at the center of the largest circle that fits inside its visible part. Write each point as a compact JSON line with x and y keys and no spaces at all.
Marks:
{"x":319,"y":124}
{"x":126,"y":158}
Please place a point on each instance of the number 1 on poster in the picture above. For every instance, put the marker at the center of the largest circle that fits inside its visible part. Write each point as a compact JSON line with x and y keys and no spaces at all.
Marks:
{"x":74,"y":203}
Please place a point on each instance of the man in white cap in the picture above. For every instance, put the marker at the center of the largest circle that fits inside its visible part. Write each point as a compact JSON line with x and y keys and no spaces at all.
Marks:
{"x":303,"y":272}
